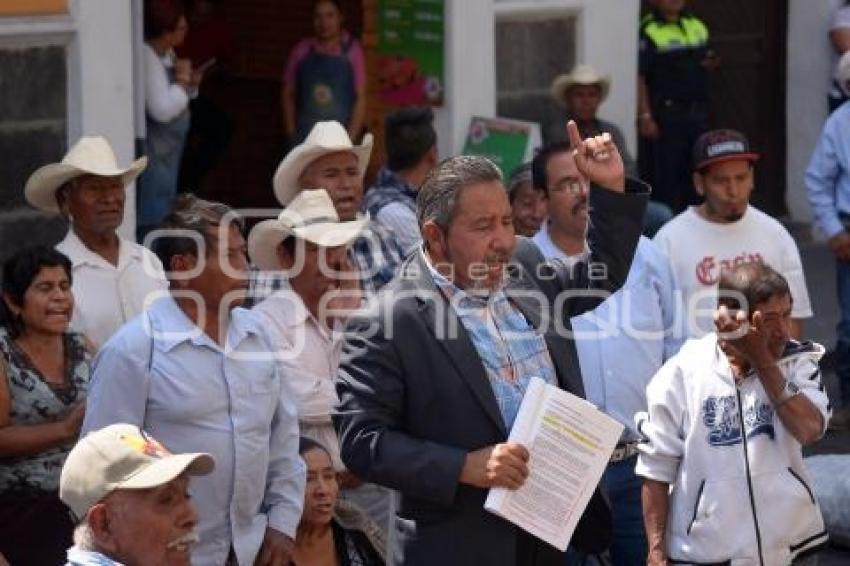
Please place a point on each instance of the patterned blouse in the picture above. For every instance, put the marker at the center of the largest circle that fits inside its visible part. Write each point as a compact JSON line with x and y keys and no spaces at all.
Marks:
{"x":34,"y":400}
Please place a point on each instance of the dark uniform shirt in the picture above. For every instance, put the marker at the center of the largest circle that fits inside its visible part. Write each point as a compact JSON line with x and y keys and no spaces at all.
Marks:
{"x":670,"y":58}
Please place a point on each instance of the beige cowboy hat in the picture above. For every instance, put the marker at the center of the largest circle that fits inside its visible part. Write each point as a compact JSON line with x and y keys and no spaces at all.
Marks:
{"x":89,"y":156}
{"x":310,"y":216}
{"x":580,"y":75}
{"x":324,"y":138}
{"x":842,"y":73}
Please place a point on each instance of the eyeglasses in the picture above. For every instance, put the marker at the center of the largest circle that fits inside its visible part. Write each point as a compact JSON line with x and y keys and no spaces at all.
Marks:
{"x":572,"y":186}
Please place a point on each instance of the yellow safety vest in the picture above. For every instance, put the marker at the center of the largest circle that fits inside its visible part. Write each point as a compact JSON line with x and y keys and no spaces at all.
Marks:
{"x":688,"y":32}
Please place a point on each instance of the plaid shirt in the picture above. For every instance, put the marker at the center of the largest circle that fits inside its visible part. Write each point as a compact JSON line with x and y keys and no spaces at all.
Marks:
{"x":375,"y":253}
{"x":511,"y":350}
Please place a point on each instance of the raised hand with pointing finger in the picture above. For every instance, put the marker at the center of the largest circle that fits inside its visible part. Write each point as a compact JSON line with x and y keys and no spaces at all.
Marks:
{"x":598,"y":159}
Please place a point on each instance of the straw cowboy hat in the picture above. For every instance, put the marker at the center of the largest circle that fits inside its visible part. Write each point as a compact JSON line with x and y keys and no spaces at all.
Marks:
{"x":842,"y":73}
{"x":310,"y":216}
{"x":580,"y":75}
{"x":89,"y":156}
{"x":324,"y":138}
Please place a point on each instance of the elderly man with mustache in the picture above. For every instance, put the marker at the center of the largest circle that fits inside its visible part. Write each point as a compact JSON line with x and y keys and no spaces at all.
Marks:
{"x":130,"y":496}
{"x":432,"y":377}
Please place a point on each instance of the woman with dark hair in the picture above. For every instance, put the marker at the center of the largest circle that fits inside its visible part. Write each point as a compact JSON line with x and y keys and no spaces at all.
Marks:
{"x":169,"y":84}
{"x":44,"y":376}
{"x":332,"y":532}
{"x":325,"y":77}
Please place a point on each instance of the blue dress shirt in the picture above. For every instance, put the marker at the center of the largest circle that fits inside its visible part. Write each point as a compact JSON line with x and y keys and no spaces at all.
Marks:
{"x":828,"y":173}
{"x":195,"y":396}
{"x":627,"y":338}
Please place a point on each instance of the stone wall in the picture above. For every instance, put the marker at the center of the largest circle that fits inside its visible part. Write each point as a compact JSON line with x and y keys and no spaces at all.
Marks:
{"x":32,"y":133}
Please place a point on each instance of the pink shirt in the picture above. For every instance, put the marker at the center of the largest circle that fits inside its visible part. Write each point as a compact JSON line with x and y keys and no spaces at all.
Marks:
{"x":303,"y":47}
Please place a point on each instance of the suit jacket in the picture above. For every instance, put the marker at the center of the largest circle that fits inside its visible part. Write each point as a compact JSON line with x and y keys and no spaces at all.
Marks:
{"x":415,"y":398}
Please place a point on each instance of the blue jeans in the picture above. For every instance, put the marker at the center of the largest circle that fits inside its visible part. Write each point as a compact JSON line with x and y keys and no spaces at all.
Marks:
{"x":842,"y":348}
{"x":622,"y":487}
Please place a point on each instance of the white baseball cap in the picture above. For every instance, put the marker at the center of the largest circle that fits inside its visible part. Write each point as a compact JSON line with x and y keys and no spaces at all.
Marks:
{"x":121,"y":456}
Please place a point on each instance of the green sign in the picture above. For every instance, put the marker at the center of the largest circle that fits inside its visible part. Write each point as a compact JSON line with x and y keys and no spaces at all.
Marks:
{"x":411,"y":36}
{"x":508,"y":143}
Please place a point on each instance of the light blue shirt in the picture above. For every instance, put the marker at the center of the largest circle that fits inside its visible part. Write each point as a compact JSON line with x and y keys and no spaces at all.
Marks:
{"x":828,"y":173}
{"x":80,"y":557}
{"x":195,"y":396}
{"x":627,"y":338}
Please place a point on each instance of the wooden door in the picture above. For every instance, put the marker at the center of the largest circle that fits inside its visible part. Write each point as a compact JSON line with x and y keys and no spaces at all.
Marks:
{"x":748,"y":90}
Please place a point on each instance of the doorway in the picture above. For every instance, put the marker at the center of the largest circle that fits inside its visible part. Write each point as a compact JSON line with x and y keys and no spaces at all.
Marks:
{"x":249,"y":94}
{"x":748,"y":90}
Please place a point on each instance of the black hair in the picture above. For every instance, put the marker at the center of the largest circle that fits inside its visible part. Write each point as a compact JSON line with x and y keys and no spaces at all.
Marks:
{"x":194,"y":215}
{"x":336,"y":3}
{"x":161,"y":17}
{"x":541,"y":161}
{"x":19,"y":271}
{"x":306,"y":444}
{"x":409,"y":135}
{"x":747,"y":285}
{"x":519,"y":176}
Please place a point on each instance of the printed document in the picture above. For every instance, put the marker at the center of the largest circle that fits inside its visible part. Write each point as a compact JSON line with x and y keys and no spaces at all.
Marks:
{"x":570,"y":442}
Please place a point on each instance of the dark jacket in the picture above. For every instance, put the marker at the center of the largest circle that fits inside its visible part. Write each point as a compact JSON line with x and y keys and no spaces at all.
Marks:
{"x":415,"y":398}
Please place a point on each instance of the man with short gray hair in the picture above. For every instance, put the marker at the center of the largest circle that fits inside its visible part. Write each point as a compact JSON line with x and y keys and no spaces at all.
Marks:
{"x":433,"y":374}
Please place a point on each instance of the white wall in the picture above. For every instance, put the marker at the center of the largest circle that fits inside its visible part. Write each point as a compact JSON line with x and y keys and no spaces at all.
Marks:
{"x":470,"y":71}
{"x":100,"y":69}
{"x":809,"y":69}
{"x":607,"y":39}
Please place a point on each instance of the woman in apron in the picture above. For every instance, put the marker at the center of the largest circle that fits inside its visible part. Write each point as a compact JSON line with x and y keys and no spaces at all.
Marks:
{"x":324,"y":77}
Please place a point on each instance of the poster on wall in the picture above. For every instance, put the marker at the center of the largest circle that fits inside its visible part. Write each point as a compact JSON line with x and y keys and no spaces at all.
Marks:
{"x":410,"y":52}
{"x":507,"y":142}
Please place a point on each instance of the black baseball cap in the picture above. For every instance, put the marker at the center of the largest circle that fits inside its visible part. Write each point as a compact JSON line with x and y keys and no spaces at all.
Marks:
{"x":717,"y":146}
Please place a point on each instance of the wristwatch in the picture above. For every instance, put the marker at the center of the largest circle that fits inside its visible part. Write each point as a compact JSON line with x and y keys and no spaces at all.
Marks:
{"x":789,"y":390}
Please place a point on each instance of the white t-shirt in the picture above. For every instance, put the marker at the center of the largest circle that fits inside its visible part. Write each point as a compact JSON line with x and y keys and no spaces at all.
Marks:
{"x":699,"y":249}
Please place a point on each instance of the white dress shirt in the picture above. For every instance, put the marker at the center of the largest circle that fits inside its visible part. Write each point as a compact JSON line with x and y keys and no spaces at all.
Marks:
{"x":161,"y":372}
{"x":308,"y":355}
{"x":105,"y":295}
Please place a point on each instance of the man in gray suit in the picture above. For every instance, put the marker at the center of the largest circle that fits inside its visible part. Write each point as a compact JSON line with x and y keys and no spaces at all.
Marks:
{"x":434,"y":370}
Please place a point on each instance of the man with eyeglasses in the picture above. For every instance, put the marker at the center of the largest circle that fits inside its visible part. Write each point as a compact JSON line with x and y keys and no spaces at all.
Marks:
{"x":620,"y":344}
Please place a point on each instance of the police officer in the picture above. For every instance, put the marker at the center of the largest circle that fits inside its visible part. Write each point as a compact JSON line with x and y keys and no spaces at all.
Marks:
{"x":672,"y":98}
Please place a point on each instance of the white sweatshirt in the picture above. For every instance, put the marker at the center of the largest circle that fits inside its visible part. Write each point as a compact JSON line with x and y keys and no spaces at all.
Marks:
{"x":747,"y":503}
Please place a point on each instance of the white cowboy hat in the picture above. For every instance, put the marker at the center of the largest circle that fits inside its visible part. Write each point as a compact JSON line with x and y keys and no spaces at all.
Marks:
{"x":89,"y":156}
{"x":310,"y":216}
{"x":580,"y":75}
{"x":842,"y":74}
{"x":324,"y":138}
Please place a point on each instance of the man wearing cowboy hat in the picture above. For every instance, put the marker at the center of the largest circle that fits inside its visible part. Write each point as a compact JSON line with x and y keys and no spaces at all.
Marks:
{"x":129,"y":494}
{"x":112,"y":276}
{"x":310,"y":244}
{"x":581,"y":92}
{"x":328,"y":160}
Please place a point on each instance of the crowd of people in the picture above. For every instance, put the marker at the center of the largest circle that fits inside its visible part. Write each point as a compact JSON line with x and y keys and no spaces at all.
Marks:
{"x":336,"y":385}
